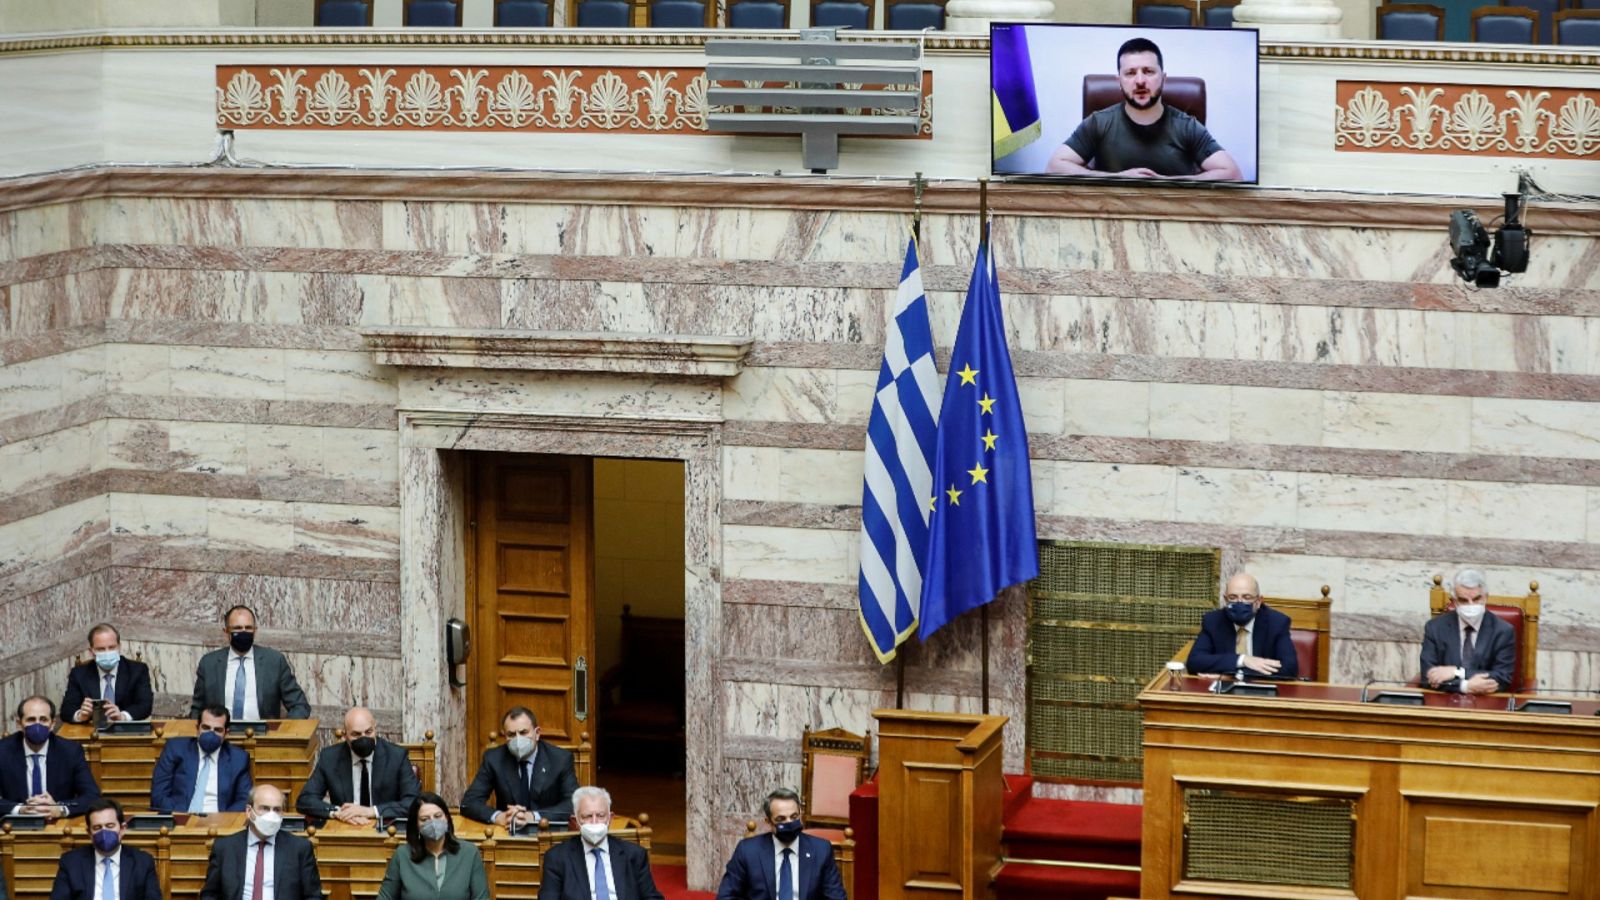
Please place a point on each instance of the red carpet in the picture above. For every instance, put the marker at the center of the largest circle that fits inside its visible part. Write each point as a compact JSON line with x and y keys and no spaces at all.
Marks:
{"x":1040,"y":834}
{"x":673,"y":882}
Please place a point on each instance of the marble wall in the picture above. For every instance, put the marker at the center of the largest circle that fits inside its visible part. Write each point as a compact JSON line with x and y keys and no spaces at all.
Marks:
{"x":190,"y":416}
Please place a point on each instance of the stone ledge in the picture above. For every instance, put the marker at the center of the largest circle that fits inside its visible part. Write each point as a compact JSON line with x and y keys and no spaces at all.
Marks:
{"x":559,"y":351}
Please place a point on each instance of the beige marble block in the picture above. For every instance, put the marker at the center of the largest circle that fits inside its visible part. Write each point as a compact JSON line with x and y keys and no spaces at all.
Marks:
{"x":1396,"y":421}
{"x":347,"y":530}
{"x":1535,"y":427}
{"x":1236,"y":497}
{"x":788,"y":395}
{"x":1108,"y":408}
{"x":790,"y":554}
{"x":51,"y":535}
{"x":1190,"y":412}
{"x":250,"y":525}
{"x":360,"y":453}
{"x":1110,"y":490}
{"x":1276,"y":416}
{"x":252,"y":373}
{"x":1535,"y":512}
{"x":1354,"y":503}
{"x":177,"y":520}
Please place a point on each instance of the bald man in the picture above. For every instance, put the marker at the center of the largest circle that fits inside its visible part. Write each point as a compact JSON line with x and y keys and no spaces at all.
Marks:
{"x":362,"y":778}
{"x":1244,"y":636}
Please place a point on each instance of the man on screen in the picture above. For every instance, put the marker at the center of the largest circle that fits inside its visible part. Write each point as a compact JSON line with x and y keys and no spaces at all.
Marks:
{"x":1142,"y":137}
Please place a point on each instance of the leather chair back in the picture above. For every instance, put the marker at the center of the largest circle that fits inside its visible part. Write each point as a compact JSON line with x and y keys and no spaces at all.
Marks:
{"x":1185,"y":92}
{"x":1410,"y":22}
{"x":841,"y":14}
{"x":1165,"y":13}
{"x":1578,"y":27}
{"x":677,"y":14}
{"x":758,"y":14}
{"x":344,"y":13}
{"x":913,"y":16}
{"x":1505,"y":25}
{"x":1217,"y":13}
{"x":432,"y":14}
{"x":522,"y":14}
{"x":605,"y":14}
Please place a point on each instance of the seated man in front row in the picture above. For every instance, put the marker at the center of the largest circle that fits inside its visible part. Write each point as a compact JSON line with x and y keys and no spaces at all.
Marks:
{"x":41,"y":773}
{"x":1143,"y":137}
{"x":203,"y":774}
{"x":530,"y":778}
{"x":783,"y":864}
{"x":571,"y":867}
{"x":1245,"y":636}
{"x":1469,"y":650}
{"x":288,"y":860}
{"x":82,"y":872}
{"x":362,"y":778}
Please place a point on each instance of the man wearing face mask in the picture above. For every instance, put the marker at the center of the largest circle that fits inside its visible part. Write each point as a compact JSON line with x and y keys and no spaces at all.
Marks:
{"x":1244,"y":636}
{"x":123,"y":683}
{"x":252,"y":681}
{"x":785,"y":864}
{"x":42,"y":774}
{"x":203,"y":774}
{"x":530,"y":778}
{"x":1467,"y":649}
{"x":361,"y":779}
{"x":106,"y":870}
{"x":262,"y":862}
{"x":591,"y":865}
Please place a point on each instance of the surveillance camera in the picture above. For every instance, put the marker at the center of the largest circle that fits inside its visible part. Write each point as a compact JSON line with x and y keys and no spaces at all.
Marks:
{"x":1469,"y":242}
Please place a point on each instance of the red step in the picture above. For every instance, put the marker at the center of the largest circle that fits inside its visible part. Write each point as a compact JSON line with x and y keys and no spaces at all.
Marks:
{"x":1025,"y":881}
{"x":1074,"y":831}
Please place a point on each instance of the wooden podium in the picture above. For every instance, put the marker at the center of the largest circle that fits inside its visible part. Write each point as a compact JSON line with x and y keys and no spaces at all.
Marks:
{"x":940,"y":795}
{"x":1313,"y":793}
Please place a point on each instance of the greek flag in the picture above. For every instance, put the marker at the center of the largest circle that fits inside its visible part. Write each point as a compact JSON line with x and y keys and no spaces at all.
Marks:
{"x":899,"y":470}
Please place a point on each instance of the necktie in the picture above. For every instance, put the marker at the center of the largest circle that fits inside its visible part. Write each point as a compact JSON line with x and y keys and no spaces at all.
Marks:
{"x":238,"y":690}
{"x":197,"y":800}
{"x":1469,"y":649}
{"x":108,"y":883}
{"x":366,"y":785}
{"x":786,"y":878}
{"x":108,"y":690}
{"x":38,"y":773}
{"x":601,"y":890}
{"x":1241,"y":644}
{"x":527,"y":783}
{"x":258,"y":881}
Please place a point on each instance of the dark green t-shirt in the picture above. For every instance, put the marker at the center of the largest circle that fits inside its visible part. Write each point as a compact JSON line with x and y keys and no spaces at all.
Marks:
{"x":1176,"y":144}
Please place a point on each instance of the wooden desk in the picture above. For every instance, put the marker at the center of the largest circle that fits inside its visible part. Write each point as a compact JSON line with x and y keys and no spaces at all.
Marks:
{"x":122,"y":764}
{"x":351,"y":860}
{"x":1315,"y":794}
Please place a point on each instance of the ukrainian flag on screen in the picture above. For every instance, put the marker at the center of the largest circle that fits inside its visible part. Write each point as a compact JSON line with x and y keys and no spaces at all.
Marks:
{"x":1016,"y":109}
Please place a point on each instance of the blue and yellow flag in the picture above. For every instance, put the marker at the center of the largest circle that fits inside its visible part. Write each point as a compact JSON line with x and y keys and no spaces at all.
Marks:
{"x":1016,"y":108}
{"x":981,"y":535}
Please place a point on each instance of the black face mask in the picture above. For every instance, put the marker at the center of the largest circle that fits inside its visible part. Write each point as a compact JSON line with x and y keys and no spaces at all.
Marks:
{"x":242,"y":641}
{"x":788,"y":831}
{"x":363,"y":746}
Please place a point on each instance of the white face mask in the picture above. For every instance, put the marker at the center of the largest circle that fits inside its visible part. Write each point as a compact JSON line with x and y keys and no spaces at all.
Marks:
{"x":594,"y":832}
{"x":268,"y":823}
{"x":520,"y":746}
{"x":1471,"y":612}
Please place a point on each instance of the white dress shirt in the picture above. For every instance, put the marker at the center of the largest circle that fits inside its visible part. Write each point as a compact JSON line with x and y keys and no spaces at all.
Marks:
{"x":211,"y":804}
{"x":777,"y":865}
{"x":100,"y":874}
{"x":44,"y":766}
{"x":267,"y":886}
{"x":588,"y":866}
{"x":252,"y":708}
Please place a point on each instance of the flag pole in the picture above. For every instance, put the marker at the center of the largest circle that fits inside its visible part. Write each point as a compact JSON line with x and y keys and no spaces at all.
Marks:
{"x":983,"y":611}
{"x":917,"y":185}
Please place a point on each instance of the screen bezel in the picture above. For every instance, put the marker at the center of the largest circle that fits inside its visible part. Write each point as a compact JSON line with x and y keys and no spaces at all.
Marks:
{"x":1130,"y":31}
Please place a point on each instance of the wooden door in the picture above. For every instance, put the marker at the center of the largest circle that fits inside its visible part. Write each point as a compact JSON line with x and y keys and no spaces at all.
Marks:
{"x":532,"y":590}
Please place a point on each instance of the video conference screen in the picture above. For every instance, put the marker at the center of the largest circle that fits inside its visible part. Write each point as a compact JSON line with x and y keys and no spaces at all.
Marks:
{"x":1129,"y":103}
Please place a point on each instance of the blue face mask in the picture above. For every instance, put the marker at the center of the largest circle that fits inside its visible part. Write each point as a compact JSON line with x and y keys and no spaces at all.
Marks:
{"x":36,"y":733}
{"x":788,"y":831}
{"x":209,"y":741}
{"x":1241,"y":612}
{"x":107,"y":659}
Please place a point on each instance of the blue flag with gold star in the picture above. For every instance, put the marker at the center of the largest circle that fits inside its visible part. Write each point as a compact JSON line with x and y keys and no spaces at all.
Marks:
{"x":981,"y":534}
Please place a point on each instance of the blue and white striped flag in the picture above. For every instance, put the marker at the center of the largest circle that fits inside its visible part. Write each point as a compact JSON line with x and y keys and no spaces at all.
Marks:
{"x":899,"y":470}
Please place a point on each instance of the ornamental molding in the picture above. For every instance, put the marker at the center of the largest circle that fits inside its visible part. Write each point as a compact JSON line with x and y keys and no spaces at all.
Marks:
{"x":691,"y":356}
{"x":547,"y":99}
{"x":1467,"y":119}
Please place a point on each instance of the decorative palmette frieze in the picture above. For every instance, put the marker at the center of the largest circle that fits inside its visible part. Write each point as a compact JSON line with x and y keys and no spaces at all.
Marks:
{"x":631,"y":100}
{"x":1463,"y":119}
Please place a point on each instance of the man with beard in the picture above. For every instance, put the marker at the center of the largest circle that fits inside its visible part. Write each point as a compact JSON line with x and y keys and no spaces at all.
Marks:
{"x":1142,"y":137}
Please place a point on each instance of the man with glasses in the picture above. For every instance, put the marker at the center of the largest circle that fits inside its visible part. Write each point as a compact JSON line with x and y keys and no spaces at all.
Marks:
{"x":1244,"y":637}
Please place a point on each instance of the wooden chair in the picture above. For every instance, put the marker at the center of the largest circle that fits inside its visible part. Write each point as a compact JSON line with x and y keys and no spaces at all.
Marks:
{"x":1410,"y":22}
{"x":522,"y":13}
{"x":758,"y":14}
{"x":424,"y":760}
{"x":1578,"y":28}
{"x":1521,"y":613}
{"x":432,"y":13}
{"x":913,"y":15}
{"x":1172,"y":13}
{"x":343,"y":14}
{"x":857,"y":14}
{"x":1216,"y":13}
{"x":833,"y":763}
{"x":1505,"y":25}
{"x":1308,"y":631}
{"x":680,"y":13}
{"x":642,"y":697}
{"x":601,"y":13}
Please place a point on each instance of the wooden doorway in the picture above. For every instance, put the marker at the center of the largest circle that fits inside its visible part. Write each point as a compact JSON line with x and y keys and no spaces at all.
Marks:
{"x":531,"y":594}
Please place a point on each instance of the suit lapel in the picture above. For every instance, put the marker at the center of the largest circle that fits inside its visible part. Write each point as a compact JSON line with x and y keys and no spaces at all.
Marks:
{"x":341,"y":759}
{"x":769,"y":867}
{"x":614,"y":850}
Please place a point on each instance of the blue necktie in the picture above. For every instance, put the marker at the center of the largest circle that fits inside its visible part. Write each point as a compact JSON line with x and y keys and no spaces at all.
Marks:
{"x":108,"y":883}
{"x":786,"y":878}
{"x":38,"y":774}
{"x":601,"y":891}
{"x":197,"y":801}
{"x":238,"y":691}
{"x":108,"y":688}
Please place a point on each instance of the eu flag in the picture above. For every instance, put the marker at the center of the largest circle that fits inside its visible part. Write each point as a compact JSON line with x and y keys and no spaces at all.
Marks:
{"x":981,"y":534}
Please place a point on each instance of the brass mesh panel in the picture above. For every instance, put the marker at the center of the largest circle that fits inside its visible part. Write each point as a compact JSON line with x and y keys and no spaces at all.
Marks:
{"x":1300,"y":841}
{"x":1102,"y":621}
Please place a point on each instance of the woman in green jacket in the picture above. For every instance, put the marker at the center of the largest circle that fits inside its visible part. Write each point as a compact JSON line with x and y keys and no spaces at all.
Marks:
{"x":433,"y":865}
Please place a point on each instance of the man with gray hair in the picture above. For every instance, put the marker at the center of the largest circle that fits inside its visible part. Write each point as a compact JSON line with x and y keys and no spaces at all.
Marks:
{"x":591,"y":866}
{"x":1466,"y":649}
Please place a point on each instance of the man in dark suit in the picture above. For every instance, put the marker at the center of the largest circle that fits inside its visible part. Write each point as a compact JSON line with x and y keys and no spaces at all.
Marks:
{"x":121,"y":873}
{"x":1468,"y":649}
{"x":569,"y":867}
{"x":125,"y":683}
{"x":239,"y":863}
{"x":530,"y":779}
{"x":203,"y":774}
{"x":251,"y":682}
{"x":40,"y":773}
{"x":361,"y":779}
{"x":784,"y":864}
{"x":1245,"y":635}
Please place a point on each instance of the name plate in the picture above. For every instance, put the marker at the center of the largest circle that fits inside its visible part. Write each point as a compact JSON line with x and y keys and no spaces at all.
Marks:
{"x":22,"y":822}
{"x":243,"y":725}
{"x":127,"y":729}
{"x":1398,"y":698}
{"x":1251,"y":689}
{"x":152,"y":822}
{"x":1548,"y":707}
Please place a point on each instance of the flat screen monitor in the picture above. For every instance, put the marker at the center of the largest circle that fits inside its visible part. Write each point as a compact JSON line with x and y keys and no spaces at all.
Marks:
{"x":1129,"y":104}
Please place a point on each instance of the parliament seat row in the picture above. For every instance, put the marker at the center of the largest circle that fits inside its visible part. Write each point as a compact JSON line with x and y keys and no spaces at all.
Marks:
{"x":1177,"y":14}
{"x":1528,"y":22}
{"x":899,"y":15}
